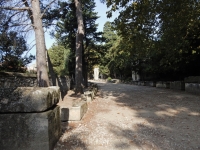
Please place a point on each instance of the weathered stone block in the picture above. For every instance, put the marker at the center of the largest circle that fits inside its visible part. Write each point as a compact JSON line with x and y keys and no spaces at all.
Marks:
{"x":161,"y":84}
{"x":151,"y":83}
{"x":135,"y":82}
{"x":88,"y":95}
{"x":92,"y":94}
{"x":114,"y":81}
{"x":30,"y":131}
{"x":30,"y":99}
{"x":143,"y":83}
{"x":74,"y":113}
{"x":178,"y":85}
{"x":192,"y":88}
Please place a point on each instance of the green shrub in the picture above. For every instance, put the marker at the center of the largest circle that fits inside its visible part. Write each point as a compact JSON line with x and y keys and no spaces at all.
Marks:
{"x":109,"y":79}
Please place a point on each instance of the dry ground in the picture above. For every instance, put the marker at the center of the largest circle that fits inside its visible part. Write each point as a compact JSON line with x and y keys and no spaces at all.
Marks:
{"x":130,"y":117}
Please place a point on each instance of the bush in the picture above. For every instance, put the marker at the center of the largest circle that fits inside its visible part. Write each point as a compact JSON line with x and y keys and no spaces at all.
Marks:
{"x":109,"y":79}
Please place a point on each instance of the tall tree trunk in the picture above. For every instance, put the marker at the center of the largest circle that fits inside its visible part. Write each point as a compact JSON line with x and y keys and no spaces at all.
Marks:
{"x":42,"y":73}
{"x":51,"y":72}
{"x":85,"y":70}
{"x":79,"y":41}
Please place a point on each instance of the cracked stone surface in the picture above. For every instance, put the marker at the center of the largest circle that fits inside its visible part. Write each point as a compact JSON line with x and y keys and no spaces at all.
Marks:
{"x":130,"y":117}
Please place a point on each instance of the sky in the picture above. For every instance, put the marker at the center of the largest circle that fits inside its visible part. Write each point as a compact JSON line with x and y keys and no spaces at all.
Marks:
{"x":100,"y":9}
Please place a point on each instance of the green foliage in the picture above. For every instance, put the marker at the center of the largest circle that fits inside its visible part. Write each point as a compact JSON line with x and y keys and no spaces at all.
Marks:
{"x":116,"y":60}
{"x":12,"y":49}
{"x":59,"y":57}
{"x":109,"y":79}
{"x":160,"y":38}
{"x":66,"y":29}
{"x":104,"y":70}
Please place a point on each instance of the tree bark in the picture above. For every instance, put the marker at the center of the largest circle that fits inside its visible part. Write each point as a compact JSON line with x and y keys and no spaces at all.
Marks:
{"x":79,"y":41}
{"x":42,"y":73}
{"x":85,"y":70}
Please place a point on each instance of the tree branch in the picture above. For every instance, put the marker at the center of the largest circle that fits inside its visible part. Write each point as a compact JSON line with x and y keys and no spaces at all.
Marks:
{"x":29,"y":11}
{"x":5,"y":25}
{"x":19,"y":24}
{"x":47,"y":7}
{"x":16,"y":8}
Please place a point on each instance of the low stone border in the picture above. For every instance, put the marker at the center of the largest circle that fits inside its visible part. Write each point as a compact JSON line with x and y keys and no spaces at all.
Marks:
{"x":77,"y":111}
{"x":187,"y":86}
{"x":151,"y":83}
{"x":74,"y":113}
{"x":192,"y":88}
{"x":161,"y":84}
{"x":177,"y":85}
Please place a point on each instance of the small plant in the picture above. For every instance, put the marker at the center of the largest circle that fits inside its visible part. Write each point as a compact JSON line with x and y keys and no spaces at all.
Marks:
{"x":109,"y":79}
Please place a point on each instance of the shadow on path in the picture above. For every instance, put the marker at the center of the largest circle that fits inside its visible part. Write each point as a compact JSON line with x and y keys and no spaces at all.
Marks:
{"x":167,"y":119}
{"x":133,"y":117}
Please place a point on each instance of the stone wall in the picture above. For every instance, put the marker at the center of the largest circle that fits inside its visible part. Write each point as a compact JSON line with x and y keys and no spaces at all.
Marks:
{"x":10,"y":81}
{"x":14,"y":80}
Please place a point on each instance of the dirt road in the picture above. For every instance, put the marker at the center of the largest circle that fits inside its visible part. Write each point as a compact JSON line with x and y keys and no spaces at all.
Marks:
{"x":130,"y":117}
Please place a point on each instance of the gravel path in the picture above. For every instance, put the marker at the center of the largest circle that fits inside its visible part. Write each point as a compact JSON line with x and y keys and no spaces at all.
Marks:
{"x":130,"y":117}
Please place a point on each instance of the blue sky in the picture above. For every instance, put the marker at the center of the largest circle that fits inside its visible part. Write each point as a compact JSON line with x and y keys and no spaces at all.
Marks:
{"x":100,"y":9}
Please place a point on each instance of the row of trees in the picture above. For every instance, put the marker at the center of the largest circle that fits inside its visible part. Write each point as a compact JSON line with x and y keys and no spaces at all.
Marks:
{"x":155,"y":37}
{"x":65,"y":33}
{"x":159,"y":38}
{"x":23,"y":15}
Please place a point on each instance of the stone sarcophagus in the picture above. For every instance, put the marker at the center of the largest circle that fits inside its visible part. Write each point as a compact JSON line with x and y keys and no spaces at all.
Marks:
{"x":30,"y":118}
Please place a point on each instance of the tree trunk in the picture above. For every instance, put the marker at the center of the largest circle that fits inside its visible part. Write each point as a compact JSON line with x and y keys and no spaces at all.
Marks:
{"x":42,"y":73}
{"x":51,"y":72}
{"x":79,"y":41}
{"x":85,"y":70}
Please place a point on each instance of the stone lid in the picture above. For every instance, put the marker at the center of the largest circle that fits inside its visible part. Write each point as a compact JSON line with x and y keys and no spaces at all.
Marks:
{"x":192,"y":79}
{"x":30,"y":99}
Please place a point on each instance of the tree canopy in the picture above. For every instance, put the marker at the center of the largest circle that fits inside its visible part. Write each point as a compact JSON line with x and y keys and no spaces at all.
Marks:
{"x":59,"y":57}
{"x":161,"y":37}
{"x":13,"y":49}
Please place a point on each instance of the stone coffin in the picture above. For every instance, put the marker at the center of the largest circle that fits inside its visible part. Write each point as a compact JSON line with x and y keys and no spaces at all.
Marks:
{"x":30,"y":131}
{"x":135,"y":82}
{"x":88,"y":95}
{"x":192,"y":88}
{"x":75,"y":113}
{"x":178,"y":85}
{"x":31,"y":120}
{"x":151,"y":83}
{"x":143,"y":83}
{"x":161,"y":84}
{"x":30,"y":99}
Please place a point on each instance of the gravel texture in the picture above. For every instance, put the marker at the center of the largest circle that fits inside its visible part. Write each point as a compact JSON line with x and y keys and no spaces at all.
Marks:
{"x":130,"y":117}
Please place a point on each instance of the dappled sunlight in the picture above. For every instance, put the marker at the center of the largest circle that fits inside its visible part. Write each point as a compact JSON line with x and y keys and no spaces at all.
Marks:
{"x":137,"y":117}
{"x":175,"y":111}
{"x":167,"y":112}
{"x":128,"y":137}
{"x":160,"y":119}
{"x":194,"y":113}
